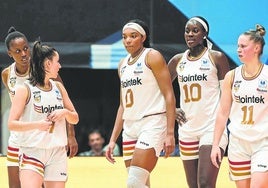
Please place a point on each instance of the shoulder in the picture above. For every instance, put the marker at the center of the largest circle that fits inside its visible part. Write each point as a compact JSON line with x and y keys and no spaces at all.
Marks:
{"x":120,"y":66}
{"x":58,"y":84}
{"x":229,"y":77}
{"x":175,"y":59}
{"x":121,"y":63}
{"x":5,"y":73}
{"x":23,"y":91}
{"x":5,"y":70}
{"x":154,"y":58}
{"x":217,"y":55}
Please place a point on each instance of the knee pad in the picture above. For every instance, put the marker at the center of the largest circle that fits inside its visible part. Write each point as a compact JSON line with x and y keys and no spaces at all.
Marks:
{"x":137,"y":177}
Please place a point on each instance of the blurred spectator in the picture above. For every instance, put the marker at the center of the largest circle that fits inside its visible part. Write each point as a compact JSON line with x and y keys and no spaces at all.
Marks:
{"x":96,"y":144}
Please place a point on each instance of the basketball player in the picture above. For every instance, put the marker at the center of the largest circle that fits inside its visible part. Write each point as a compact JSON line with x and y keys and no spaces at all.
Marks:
{"x":39,"y":111}
{"x":200,"y":71}
{"x":147,"y":108}
{"x":18,"y":49}
{"x":245,"y":101}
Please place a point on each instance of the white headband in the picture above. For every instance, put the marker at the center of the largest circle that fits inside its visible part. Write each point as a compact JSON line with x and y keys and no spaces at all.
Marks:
{"x":201,"y":22}
{"x":209,"y":43}
{"x":135,"y":26}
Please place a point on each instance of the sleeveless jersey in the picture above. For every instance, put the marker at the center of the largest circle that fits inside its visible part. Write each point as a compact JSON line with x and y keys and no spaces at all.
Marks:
{"x":42,"y":103}
{"x":249,"y":120}
{"x":13,"y":81}
{"x":140,"y":93}
{"x":200,"y":92}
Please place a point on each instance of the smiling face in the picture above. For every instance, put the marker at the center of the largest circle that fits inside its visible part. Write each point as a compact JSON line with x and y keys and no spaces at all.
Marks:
{"x":194,"y":34}
{"x":19,"y":50}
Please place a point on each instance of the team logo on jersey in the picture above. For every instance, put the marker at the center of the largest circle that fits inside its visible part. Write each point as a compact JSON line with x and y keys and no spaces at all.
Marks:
{"x":37,"y":96}
{"x":12,"y":93}
{"x":204,"y":65}
{"x":192,"y":78}
{"x":236,"y":85}
{"x":46,"y":109}
{"x":122,"y":70}
{"x":262,"y":86}
{"x":12,"y":81}
{"x":181,"y":66}
{"x":138,"y":68}
{"x":132,"y":82}
{"x":249,"y":99}
{"x":58,"y":95}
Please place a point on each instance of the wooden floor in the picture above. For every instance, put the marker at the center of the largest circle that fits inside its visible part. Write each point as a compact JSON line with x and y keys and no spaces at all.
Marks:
{"x":97,"y":172}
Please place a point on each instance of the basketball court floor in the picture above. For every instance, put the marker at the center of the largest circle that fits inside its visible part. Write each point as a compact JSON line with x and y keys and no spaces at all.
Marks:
{"x":97,"y":172}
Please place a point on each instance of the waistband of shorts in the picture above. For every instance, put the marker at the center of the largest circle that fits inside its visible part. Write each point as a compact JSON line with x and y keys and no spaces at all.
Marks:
{"x":154,"y":114}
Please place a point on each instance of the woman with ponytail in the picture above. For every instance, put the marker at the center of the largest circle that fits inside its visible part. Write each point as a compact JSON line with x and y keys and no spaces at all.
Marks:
{"x":18,"y":49}
{"x":244,"y":100}
{"x":39,"y":111}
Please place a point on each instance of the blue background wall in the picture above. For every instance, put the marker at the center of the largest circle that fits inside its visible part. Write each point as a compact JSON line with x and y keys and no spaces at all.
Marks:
{"x":87,"y":34}
{"x":228,"y":19}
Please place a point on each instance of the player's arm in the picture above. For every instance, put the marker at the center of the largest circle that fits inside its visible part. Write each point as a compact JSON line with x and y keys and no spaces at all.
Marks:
{"x":158,"y":65}
{"x":172,"y":64}
{"x":221,"y":62}
{"x":72,"y":142}
{"x":4,"y":76}
{"x":222,"y":118}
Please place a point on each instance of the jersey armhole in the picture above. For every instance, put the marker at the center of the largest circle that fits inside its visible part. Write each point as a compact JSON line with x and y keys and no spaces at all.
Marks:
{"x":232,"y":78}
{"x":119,"y":66}
{"x":28,"y":94}
{"x":58,"y":86}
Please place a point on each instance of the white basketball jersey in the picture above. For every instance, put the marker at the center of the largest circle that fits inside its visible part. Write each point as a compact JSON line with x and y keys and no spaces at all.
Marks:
{"x":41,"y":104}
{"x":14,"y":80}
{"x":200,"y":92}
{"x":249,"y":112}
{"x":140,"y":93}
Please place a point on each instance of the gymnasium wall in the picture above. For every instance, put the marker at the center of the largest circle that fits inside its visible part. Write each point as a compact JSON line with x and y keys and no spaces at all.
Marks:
{"x":86,"y":33}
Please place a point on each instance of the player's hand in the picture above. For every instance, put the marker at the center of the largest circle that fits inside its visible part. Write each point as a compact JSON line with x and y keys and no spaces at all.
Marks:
{"x":109,"y":152}
{"x":169,"y":145}
{"x":215,"y":156}
{"x":44,"y":125}
{"x":57,"y":114}
{"x":72,"y":146}
{"x":180,"y":116}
